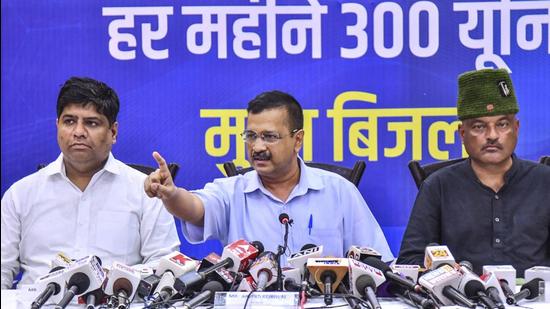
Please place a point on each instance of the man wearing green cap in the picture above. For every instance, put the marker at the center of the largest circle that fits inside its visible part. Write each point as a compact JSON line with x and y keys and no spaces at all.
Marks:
{"x":493,"y":208}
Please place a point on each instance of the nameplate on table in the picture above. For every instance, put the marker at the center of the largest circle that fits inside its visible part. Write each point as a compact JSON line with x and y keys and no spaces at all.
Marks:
{"x":256,"y":299}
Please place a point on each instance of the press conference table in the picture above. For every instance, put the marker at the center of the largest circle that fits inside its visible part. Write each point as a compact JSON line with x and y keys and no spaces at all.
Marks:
{"x":20,"y":299}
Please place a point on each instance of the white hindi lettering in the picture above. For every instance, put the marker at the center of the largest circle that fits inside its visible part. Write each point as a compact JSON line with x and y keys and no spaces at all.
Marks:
{"x":504,"y":7}
{"x":262,"y":28}
{"x":148,"y":35}
{"x":299,"y":27}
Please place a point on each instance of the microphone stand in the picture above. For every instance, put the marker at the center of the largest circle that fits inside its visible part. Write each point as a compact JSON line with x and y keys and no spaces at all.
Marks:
{"x":280,"y":251}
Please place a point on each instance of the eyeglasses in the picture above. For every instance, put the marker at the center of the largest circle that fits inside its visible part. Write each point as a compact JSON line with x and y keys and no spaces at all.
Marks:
{"x":267,"y":137}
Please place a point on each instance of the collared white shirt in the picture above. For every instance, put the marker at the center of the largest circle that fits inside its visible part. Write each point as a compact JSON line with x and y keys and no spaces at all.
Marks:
{"x":45,"y":213}
{"x":326,"y":208}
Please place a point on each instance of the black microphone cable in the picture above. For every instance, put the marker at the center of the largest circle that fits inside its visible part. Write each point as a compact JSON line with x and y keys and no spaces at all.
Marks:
{"x":286,"y":221}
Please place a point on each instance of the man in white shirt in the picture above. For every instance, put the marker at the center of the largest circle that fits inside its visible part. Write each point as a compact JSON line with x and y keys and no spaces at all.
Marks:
{"x":86,"y":202}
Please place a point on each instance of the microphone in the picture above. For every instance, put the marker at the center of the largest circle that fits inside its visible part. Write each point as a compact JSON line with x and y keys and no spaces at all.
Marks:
{"x":413,"y":298}
{"x":84,"y":275}
{"x":364,"y":279}
{"x":365,"y":284}
{"x":361,"y":253}
{"x":177,"y":263}
{"x":92,"y":298}
{"x":391,"y":276}
{"x":300,"y":258}
{"x":328,"y":273}
{"x":505,"y":274}
{"x":264,"y":270}
{"x":78,"y":283}
{"x":356,"y":269}
{"x":293,"y":282}
{"x":290,"y":284}
{"x":165,"y":288}
{"x":247,"y":284}
{"x":211,"y":267}
{"x":241,"y":253}
{"x":237,"y":254}
{"x":50,"y":285}
{"x":473,"y":287}
{"x":207,"y":294}
{"x":442,"y":283}
{"x":541,"y":272}
{"x":122,"y":284}
{"x":285,"y":219}
{"x":436,"y":255}
{"x":147,"y":285}
{"x":530,"y":290}
{"x":474,"y":290}
{"x":493,"y":290}
{"x":508,"y":293}
{"x":293,"y":277}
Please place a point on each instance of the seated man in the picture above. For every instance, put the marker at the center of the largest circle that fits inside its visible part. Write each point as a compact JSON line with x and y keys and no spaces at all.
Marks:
{"x":248,"y":206}
{"x":493,"y":208}
{"x":86,"y":202}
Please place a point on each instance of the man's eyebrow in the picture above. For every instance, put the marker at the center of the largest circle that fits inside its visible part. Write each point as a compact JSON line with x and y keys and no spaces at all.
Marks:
{"x":92,"y":118}
{"x":503,"y":117}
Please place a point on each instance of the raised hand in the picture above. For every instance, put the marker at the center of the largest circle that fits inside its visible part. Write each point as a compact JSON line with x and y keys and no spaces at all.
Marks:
{"x":160,"y":183}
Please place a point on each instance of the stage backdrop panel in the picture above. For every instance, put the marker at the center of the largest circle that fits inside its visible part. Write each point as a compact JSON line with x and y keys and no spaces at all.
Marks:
{"x":377,"y":80}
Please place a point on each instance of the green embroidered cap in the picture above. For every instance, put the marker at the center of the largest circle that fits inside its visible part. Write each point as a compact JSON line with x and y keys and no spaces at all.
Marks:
{"x":486,"y":92}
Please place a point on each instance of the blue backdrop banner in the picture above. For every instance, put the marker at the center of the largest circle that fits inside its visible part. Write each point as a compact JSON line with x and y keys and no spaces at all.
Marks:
{"x":377,"y":80}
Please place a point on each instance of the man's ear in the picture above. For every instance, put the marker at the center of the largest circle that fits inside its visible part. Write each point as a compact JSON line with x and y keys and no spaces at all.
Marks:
{"x":299,"y":140}
{"x":114,"y":131}
{"x":461,"y":131}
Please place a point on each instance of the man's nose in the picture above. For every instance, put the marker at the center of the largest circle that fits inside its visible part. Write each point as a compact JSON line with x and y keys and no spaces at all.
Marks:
{"x":492,"y":132}
{"x":258,"y":144}
{"x":80,"y":130}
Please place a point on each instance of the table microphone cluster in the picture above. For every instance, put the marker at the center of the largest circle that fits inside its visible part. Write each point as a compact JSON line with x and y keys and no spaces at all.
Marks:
{"x":246,"y":267}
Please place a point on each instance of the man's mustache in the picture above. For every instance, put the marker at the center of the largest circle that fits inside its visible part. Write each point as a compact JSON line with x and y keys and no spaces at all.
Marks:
{"x":264,"y":155}
{"x":491,"y":144}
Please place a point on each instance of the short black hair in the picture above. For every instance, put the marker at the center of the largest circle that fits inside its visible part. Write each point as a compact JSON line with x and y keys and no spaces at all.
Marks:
{"x":84,"y":91}
{"x":276,"y":99}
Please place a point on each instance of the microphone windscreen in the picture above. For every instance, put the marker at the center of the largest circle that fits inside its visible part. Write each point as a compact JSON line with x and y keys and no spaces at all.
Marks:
{"x":308,"y":246}
{"x":123,"y":284}
{"x":81,"y":281}
{"x":472,"y":287}
{"x":283,"y":218}
{"x":533,"y":287}
{"x":213,"y":286}
{"x":258,"y":245}
{"x":376,"y":263}
{"x":365,"y":281}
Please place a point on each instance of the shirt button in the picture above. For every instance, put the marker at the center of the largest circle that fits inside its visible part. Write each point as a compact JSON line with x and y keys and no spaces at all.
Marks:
{"x":497,"y":240}
{"x":497,"y":219}
{"x":496,"y":197}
